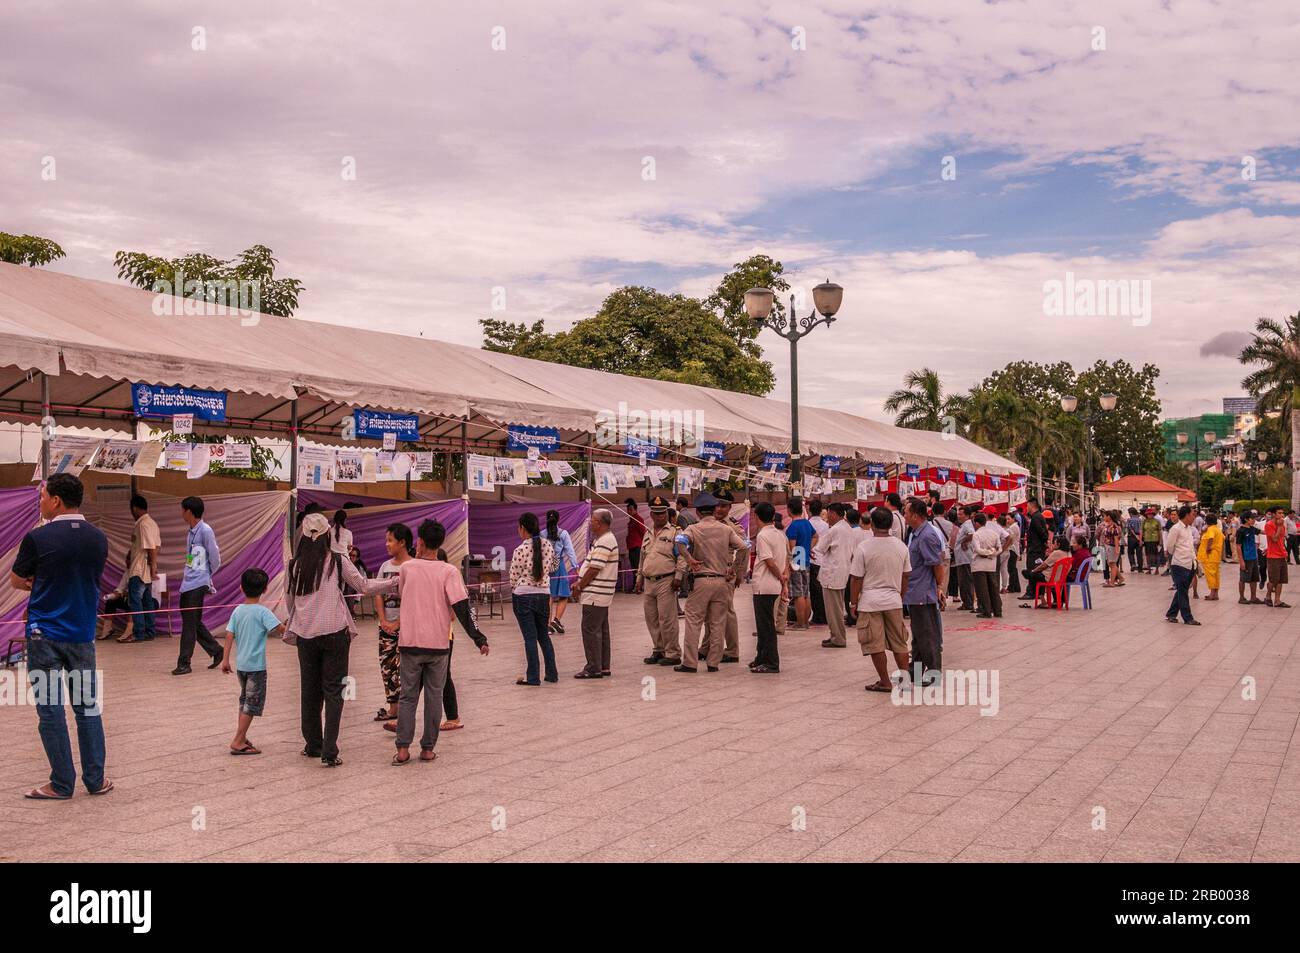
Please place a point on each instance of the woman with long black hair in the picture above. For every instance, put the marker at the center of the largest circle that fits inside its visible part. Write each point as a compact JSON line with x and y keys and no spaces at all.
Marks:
{"x":566,"y":562}
{"x":321,"y":626}
{"x":340,"y":535}
{"x":533,"y":561}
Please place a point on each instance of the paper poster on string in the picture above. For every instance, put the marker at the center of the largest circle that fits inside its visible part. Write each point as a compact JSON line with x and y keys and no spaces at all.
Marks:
{"x":315,"y":467}
{"x":349,"y":466}
{"x":233,"y":456}
{"x":604,"y":480}
{"x":967,"y":495}
{"x":118,"y":456}
{"x":686,"y":480}
{"x":948,"y":491}
{"x":182,"y":424}
{"x":421,"y":463}
{"x":906,"y":488}
{"x":1017,"y":496}
{"x":176,"y":456}
{"x":200,"y":458}
{"x":480,"y":473}
{"x":70,"y":455}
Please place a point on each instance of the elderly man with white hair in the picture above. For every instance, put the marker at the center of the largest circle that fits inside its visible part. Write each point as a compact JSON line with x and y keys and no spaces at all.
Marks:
{"x":595,"y":591}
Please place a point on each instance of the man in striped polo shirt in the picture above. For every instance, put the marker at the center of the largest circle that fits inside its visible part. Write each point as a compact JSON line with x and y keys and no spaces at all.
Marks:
{"x":595,"y":590}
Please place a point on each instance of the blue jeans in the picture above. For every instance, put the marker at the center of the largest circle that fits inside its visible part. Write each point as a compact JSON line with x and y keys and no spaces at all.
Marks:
{"x":140,"y":601}
{"x":1182,"y":579}
{"x":533,"y":613}
{"x":47,"y":665}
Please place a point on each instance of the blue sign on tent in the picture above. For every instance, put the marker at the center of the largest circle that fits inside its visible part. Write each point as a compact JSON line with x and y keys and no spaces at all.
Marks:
{"x":942,"y":474}
{"x":776,"y":461}
{"x":831,"y":464}
{"x":545,"y":439}
{"x":373,"y":424}
{"x":637,"y":446}
{"x":713,"y":450}
{"x":913,"y":471}
{"x":149,"y":400}
{"x":875,"y":470}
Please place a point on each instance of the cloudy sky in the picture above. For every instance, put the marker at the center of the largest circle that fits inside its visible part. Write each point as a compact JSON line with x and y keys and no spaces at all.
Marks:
{"x":1103,"y":139}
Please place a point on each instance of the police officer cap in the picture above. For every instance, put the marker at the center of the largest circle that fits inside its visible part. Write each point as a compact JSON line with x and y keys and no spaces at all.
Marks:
{"x":706,"y":500}
{"x":724,"y":496}
{"x":658,"y":505}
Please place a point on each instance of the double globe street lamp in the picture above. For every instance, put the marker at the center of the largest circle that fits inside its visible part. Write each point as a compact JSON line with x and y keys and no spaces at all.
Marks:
{"x":1070,"y":404}
{"x":827,"y":297}
{"x":1210,"y":437}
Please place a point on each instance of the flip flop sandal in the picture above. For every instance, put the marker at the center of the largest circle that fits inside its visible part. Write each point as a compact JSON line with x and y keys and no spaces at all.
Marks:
{"x":398,"y":760}
{"x":248,"y":748}
{"x":383,"y":715}
{"x":433,"y":756}
{"x":449,"y":727}
{"x":36,"y":794}
{"x":880,"y":688}
{"x":524,"y":681}
{"x":104,"y":790}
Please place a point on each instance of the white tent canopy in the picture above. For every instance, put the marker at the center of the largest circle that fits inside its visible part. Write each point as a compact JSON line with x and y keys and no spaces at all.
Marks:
{"x":95,"y":338}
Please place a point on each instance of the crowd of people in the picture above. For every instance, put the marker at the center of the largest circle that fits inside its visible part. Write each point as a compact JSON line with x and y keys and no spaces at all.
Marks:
{"x":888,"y":574}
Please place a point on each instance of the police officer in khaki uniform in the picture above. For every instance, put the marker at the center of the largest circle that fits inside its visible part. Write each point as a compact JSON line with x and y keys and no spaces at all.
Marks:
{"x":711,"y":554}
{"x":731,"y":650}
{"x":657,"y":581}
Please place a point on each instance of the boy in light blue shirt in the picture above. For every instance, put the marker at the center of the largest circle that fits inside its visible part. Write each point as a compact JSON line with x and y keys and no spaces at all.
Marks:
{"x":248,"y":628}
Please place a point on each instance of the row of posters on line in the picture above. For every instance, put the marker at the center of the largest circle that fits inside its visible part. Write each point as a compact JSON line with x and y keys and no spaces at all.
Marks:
{"x":320,"y":467}
{"x":484,"y":473}
{"x":141,"y":457}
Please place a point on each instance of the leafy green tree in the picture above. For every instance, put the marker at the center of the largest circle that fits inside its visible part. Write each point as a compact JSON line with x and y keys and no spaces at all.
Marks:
{"x":728,"y":299}
{"x":921,"y":404}
{"x":643,"y":333}
{"x":28,"y":250}
{"x":1275,"y":384}
{"x":1129,"y":436}
{"x":203,"y":277}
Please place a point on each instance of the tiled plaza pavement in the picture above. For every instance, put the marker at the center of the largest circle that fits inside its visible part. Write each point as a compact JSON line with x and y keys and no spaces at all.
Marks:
{"x":1111,"y":709}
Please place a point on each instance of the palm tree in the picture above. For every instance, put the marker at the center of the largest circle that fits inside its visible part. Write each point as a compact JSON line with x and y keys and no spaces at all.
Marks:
{"x":996,"y":418}
{"x":1044,"y":439}
{"x":1276,"y":385}
{"x":921,"y":405}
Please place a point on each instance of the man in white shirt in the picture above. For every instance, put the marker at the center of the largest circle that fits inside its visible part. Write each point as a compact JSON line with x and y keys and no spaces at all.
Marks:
{"x":771,"y":570}
{"x":595,"y":590}
{"x":141,"y":570}
{"x":879,"y":570}
{"x":986,"y":546}
{"x":834,"y":550}
{"x":1181,"y":547}
{"x":820,"y":528}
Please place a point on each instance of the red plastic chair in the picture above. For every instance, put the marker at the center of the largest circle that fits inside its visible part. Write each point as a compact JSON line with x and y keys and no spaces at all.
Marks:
{"x":1056,"y":584}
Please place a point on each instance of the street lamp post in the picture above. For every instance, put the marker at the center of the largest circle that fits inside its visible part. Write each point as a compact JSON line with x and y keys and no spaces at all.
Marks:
{"x":1261,"y":456}
{"x":827,"y":297}
{"x":1070,"y":404}
{"x":1210,"y":437}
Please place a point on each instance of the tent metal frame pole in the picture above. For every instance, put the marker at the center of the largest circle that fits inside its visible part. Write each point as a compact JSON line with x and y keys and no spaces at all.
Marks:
{"x":293,"y":467}
{"x":46,"y":426}
{"x":464,"y":457}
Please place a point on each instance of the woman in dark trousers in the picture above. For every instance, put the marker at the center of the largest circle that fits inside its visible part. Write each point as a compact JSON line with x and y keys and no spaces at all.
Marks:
{"x":530,"y":570}
{"x":321,"y":626}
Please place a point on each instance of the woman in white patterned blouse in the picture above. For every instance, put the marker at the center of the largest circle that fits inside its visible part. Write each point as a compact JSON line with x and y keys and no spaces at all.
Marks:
{"x":530,"y":571}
